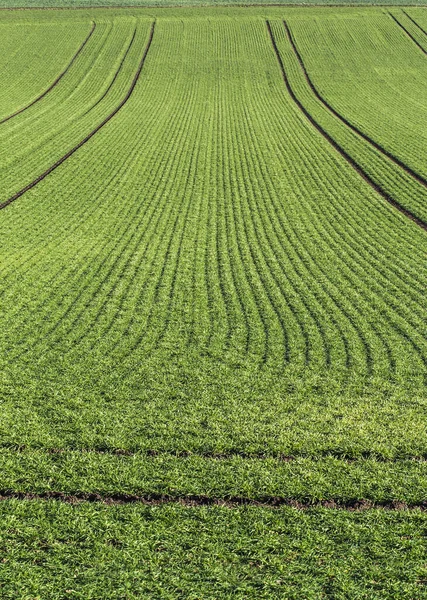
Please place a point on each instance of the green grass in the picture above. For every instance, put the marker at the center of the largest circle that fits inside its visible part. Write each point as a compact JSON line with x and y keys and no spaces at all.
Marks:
{"x":189,"y":3}
{"x":304,"y":479}
{"x":92,"y":551}
{"x":214,"y":297}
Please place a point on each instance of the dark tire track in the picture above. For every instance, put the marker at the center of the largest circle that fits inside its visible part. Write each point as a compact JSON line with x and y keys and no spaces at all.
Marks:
{"x":408,"y":33}
{"x":92,"y":133}
{"x":375,"y":186}
{"x":414,"y":22}
{"x":115,"y":75}
{"x":359,"y":132}
{"x":57,"y":80}
{"x":193,"y":500}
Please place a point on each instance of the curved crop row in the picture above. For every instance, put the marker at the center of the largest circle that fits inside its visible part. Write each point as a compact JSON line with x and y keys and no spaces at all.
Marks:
{"x":256,"y":290}
{"x":206,"y":255}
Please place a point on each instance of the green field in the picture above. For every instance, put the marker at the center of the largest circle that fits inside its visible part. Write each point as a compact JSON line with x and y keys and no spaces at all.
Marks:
{"x":213,"y":317}
{"x":189,"y":3}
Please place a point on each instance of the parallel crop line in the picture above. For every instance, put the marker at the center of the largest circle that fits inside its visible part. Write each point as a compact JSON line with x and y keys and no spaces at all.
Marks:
{"x":55,"y":82}
{"x":325,"y":291}
{"x":127,"y":216}
{"x":90,"y":135}
{"x":280,"y":228}
{"x":135,"y":237}
{"x":54,"y":116}
{"x":271,"y":228}
{"x":169,"y":223}
{"x":396,"y":326}
{"x":421,"y":223}
{"x":386,"y":234}
{"x":175,"y":257}
{"x":242,"y":271}
{"x":154,"y":296}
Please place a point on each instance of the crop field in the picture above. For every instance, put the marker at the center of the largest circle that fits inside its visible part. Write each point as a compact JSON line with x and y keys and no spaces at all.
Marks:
{"x":213,"y":317}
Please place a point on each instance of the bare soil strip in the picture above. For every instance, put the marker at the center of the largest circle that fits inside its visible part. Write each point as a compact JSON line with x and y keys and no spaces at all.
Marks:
{"x":91,"y":134}
{"x":408,"y":33}
{"x":375,"y":186}
{"x":202,"y":500}
{"x":57,"y":80}
{"x":363,"y":135}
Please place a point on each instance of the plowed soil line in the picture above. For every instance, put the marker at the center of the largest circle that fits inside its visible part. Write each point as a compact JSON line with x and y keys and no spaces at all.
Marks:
{"x":201,"y":500}
{"x":375,"y":186}
{"x":57,"y":80}
{"x":363,"y":135}
{"x":91,"y":134}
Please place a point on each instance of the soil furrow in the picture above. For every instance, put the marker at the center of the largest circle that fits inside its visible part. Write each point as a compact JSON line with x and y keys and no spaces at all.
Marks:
{"x":89,"y":135}
{"x":357,"y":504}
{"x":57,"y":80}
{"x":375,"y":186}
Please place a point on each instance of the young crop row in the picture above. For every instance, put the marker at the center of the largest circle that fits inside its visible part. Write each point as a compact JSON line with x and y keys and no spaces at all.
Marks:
{"x":241,"y":305}
{"x":208,"y":229}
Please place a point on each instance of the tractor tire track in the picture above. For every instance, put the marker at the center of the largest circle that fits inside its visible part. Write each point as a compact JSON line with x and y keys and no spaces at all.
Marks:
{"x":195,"y":500}
{"x":408,"y":33}
{"x":414,"y":22}
{"x":375,"y":186}
{"x":115,"y":75}
{"x":89,"y":135}
{"x":57,"y":80}
{"x":344,"y":120}
{"x":216,"y":455}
